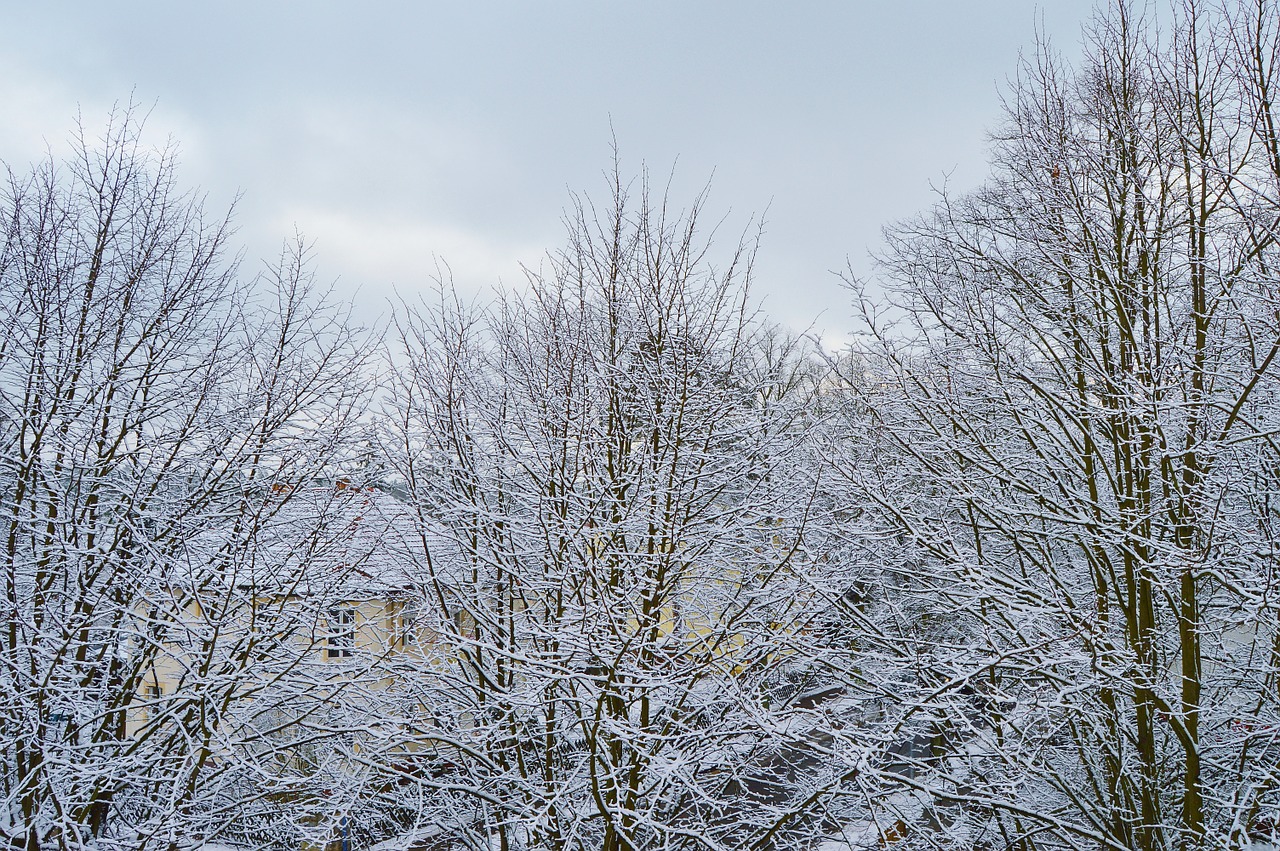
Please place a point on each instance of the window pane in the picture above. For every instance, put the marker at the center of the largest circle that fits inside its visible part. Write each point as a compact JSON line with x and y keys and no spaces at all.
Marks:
{"x":342,"y":632}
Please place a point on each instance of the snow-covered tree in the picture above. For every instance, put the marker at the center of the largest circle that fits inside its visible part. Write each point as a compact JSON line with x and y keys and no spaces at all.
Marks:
{"x":156,"y":414}
{"x":1075,"y":375}
{"x":604,"y":464}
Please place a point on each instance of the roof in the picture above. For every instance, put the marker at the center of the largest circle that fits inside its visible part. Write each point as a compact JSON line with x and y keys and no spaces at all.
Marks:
{"x":340,"y":541}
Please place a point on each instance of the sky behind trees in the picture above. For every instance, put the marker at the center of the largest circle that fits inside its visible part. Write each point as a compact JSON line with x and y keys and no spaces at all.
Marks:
{"x":395,"y":134}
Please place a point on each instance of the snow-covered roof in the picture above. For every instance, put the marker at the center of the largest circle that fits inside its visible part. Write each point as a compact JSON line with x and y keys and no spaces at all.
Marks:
{"x":338,"y":540}
{"x":357,"y":537}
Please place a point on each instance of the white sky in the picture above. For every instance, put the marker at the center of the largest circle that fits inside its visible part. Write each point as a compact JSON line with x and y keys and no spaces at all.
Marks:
{"x":394,"y":133}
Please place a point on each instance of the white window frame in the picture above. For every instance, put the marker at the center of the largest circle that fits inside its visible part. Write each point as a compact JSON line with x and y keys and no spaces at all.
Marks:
{"x":341,"y":640}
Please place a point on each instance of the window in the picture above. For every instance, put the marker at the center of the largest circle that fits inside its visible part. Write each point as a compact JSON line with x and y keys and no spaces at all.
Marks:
{"x":152,"y":692}
{"x":406,"y":627}
{"x":342,"y":632}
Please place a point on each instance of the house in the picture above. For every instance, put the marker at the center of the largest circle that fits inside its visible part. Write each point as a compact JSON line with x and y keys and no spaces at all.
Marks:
{"x":318,"y":593}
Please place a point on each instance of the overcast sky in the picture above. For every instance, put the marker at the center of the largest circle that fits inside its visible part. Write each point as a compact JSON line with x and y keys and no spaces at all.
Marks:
{"x":395,"y":133}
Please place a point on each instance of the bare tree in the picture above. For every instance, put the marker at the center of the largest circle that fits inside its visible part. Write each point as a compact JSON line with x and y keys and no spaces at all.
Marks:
{"x":156,"y":414}
{"x":604,"y":467}
{"x":1076,"y":376}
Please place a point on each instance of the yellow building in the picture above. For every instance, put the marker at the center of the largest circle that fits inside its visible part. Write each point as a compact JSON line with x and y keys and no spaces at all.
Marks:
{"x":321,"y":595}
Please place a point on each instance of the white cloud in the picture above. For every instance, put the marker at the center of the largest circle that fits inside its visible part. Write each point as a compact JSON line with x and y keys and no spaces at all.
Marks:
{"x":38,"y":113}
{"x":380,"y":256}
{"x":41,"y":113}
